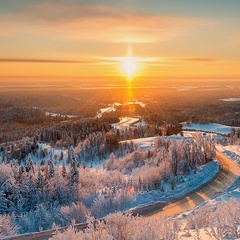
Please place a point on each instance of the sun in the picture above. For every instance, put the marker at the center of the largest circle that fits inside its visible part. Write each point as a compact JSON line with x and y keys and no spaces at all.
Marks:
{"x":129,"y":66}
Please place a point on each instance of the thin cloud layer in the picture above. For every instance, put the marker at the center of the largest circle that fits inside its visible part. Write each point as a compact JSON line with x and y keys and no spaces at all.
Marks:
{"x":97,"y":22}
{"x":17,"y":60}
{"x":92,"y":36}
{"x":198,"y":59}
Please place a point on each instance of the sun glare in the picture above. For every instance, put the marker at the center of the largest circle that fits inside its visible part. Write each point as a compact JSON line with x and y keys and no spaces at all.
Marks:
{"x":129,"y":66}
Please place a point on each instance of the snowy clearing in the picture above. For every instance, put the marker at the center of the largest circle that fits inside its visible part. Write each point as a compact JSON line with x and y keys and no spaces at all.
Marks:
{"x":230,"y":99}
{"x":143,"y":143}
{"x":148,"y":143}
{"x":59,"y":115}
{"x":209,"y":127}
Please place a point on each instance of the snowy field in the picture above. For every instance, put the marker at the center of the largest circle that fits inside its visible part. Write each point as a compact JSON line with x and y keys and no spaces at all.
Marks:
{"x":143,"y":143}
{"x":59,"y":115}
{"x":230,"y":99}
{"x":148,"y":143}
{"x":210,"y":127}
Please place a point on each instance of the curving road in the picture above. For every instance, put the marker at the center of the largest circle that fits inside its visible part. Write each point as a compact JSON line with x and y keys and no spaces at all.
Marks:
{"x":230,"y":171}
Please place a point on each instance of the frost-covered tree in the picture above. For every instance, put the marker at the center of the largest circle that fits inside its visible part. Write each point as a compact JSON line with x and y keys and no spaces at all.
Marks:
{"x":64,"y":171}
{"x":174,"y":157}
{"x":39,"y":179}
{"x":3,"y":203}
{"x":7,"y":196}
{"x":29,"y":165}
{"x":6,"y":226}
{"x":51,"y":168}
{"x":74,"y":173}
{"x":76,"y":212}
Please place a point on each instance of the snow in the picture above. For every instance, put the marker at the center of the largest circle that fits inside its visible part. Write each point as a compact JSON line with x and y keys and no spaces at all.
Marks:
{"x":136,"y":102}
{"x":49,"y":149}
{"x":141,"y":123}
{"x":233,"y":152}
{"x":125,"y":122}
{"x":230,"y":99}
{"x":105,"y":110}
{"x":204,"y":174}
{"x":56,"y":114}
{"x":143,"y":143}
{"x":209,"y":127}
{"x":148,"y":143}
{"x":112,"y":107}
{"x":59,"y":115}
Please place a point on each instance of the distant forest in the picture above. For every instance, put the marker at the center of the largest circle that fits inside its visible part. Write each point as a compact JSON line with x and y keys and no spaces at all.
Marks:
{"x":24,"y":113}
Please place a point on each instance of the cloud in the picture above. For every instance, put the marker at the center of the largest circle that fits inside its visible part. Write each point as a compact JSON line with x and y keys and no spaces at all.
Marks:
{"x":96,"y":22}
{"x":18,"y":60}
{"x":198,"y":59}
{"x":154,"y":61}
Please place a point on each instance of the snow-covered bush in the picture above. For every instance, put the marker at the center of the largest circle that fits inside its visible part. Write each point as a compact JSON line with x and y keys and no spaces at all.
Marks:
{"x":76,"y":212}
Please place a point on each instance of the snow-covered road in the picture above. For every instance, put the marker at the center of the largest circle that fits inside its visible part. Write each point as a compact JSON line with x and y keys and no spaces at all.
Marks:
{"x":230,"y":171}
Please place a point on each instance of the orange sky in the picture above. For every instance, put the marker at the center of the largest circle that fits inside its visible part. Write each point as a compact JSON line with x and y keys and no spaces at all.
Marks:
{"x":91,"y":38}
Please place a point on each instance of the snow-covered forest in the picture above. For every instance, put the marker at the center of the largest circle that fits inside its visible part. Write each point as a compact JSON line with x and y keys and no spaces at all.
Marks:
{"x":72,"y":170}
{"x":46,"y":186}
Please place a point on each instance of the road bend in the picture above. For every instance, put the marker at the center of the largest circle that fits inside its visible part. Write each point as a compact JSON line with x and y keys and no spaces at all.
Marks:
{"x":228,"y":174}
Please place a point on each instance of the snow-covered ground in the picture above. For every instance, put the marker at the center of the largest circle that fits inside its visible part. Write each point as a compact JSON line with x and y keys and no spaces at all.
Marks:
{"x":148,"y":143}
{"x":55,"y":152}
{"x":209,"y":127}
{"x":56,"y":114}
{"x":112,"y":107}
{"x":125,"y":122}
{"x":233,"y":152}
{"x":59,"y":115}
{"x":190,"y":183}
{"x":143,"y":143}
{"x":230,"y":99}
{"x":140,"y":123}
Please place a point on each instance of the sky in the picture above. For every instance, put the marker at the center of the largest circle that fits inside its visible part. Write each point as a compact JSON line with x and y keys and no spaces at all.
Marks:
{"x":91,"y":38}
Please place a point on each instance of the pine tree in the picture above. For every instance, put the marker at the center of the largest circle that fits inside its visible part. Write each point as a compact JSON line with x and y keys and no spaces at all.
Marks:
{"x":61,"y":155}
{"x":3,"y":205}
{"x":39,"y":179}
{"x":74,"y":173}
{"x":29,"y":164}
{"x":51,"y":168}
{"x":64,"y":172}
